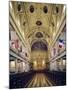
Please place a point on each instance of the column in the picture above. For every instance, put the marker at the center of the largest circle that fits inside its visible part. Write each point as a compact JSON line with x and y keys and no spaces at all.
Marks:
{"x":16,"y":66}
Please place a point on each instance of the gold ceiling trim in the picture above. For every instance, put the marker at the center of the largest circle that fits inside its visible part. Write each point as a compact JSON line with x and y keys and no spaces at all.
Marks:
{"x":43,"y":30}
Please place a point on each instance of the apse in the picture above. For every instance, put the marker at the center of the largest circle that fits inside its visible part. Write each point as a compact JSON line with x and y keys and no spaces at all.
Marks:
{"x":39,"y":45}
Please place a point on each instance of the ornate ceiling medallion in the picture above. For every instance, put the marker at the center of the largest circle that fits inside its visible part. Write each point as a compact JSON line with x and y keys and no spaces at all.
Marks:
{"x":39,"y":35}
{"x":38,"y":23}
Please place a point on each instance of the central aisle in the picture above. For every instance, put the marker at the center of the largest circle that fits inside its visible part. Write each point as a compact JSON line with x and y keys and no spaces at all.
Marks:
{"x":39,"y":80}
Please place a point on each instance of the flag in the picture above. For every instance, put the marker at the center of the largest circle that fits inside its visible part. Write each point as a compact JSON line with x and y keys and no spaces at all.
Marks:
{"x":61,"y":43}
{"x":16,"y":44}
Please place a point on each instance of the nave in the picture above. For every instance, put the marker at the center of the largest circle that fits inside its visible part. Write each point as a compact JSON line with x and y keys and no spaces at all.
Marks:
{"x":37,"y":44}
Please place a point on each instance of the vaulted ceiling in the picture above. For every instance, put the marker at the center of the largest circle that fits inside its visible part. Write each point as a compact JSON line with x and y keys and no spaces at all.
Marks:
{"x":38,"y":21}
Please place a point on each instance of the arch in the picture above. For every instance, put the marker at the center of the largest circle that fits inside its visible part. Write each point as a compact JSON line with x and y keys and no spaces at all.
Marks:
{"x":38,"y":40}
{"x":39,"y":45}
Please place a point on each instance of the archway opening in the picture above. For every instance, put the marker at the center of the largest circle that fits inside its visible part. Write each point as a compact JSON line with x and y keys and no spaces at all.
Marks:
{"x":39,"y":55}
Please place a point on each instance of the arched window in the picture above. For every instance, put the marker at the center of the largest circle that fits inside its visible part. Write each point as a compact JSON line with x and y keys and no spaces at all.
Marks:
{"x":31,"y":8}
{"x":19,"y":7}
{"x":57,"y":9}
{"x":45,"y":9}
